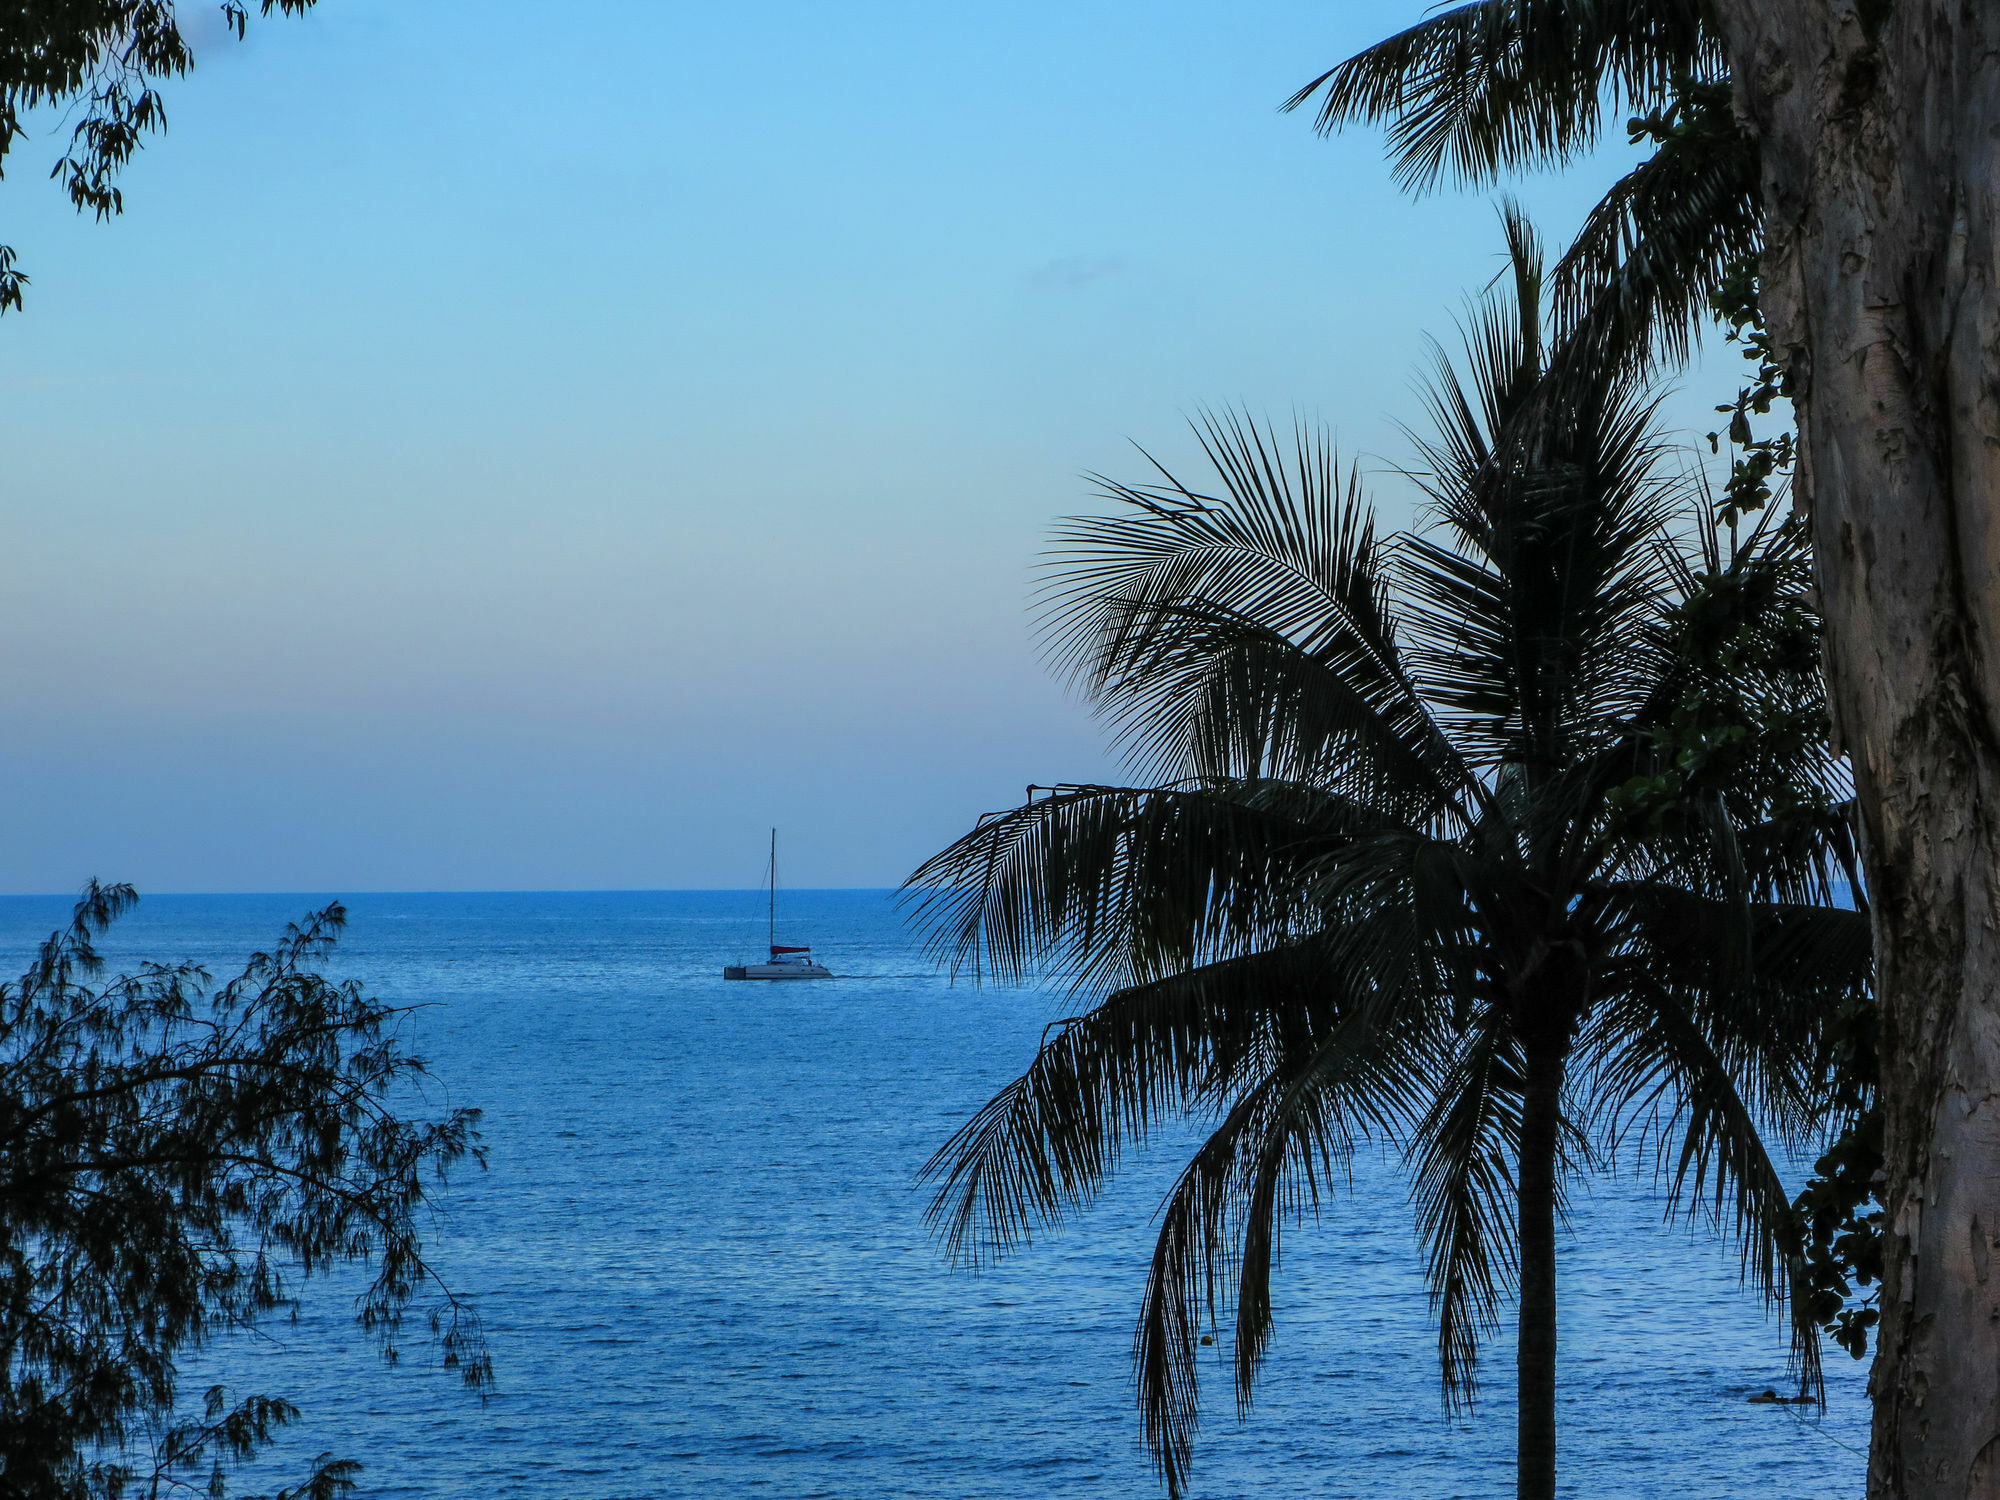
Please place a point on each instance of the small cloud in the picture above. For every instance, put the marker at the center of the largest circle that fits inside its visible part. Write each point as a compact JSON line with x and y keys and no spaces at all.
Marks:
{"x":1073,"y":271}
{"x":207,"y":31}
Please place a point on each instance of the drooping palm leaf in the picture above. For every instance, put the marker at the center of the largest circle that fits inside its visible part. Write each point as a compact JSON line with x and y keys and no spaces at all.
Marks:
{"x":1497,"y":86}
{"x":1280,"y":1146}
{"x":1654,"y":1065}
{"x":1637,"y":280}
{"x":1119,"y":885}
{"x":1287,"y":551}
{"x":1462,"y":1185}
{"x":1504,"y":85}
{"x":1100,"y":1081}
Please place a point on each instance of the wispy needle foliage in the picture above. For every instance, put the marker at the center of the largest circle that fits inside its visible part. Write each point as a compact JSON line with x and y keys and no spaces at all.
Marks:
{"x":175,"y":1160}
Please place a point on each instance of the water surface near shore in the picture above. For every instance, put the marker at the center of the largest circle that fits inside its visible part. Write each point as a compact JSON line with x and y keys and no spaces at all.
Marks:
{"x":701,"y":1257}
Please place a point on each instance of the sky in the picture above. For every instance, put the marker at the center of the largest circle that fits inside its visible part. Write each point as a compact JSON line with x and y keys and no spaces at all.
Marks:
{"x":515,"y":445}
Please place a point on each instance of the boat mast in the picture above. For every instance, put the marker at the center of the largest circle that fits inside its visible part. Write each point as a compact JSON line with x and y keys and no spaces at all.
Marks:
{"x":774,"y":889}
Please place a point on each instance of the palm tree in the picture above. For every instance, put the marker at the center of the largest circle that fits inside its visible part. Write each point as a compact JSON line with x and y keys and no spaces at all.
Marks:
{"x":1443,"y":840}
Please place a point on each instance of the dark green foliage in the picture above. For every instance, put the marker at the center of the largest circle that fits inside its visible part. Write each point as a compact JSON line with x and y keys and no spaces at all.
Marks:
{"x":1756,"y":462}
{"x":105,"y":57}
{"x":1748,"y":621}
{"x":1513,"y":843}
{"x":1838,"y":1226}
{"x":173,"y":1162}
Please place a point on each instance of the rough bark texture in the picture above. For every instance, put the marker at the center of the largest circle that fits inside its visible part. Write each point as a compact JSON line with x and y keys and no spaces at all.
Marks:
{"x":1880,"y":130}
{"x":1535,"y":1352}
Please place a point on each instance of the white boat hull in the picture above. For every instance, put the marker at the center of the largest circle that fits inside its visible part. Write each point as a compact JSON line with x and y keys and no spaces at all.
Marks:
{"x":777,"y":971}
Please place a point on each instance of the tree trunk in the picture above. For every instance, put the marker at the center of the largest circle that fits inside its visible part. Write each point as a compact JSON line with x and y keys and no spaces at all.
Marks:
{"x":1535,"y":1351}
{"x":1880,"y":129}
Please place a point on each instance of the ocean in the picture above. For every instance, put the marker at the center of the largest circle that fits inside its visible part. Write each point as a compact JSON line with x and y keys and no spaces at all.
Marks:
{"x":700,"y":1254}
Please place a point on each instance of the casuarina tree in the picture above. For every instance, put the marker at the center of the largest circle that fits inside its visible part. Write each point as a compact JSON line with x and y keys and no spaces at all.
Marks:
{"x":175,"y":1160}
{"x":1874,"y":126}
{"x":1508,"y":843}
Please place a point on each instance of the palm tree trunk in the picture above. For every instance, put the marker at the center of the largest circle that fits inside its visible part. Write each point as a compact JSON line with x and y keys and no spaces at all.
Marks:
{"x":1535,"y":1351}
{"x":1878,"y":126}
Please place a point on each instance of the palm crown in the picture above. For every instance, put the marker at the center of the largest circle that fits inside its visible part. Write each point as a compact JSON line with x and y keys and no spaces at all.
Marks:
{"x":1442,"y":842}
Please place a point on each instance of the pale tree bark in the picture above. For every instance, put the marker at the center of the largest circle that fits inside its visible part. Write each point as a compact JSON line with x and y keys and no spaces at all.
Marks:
{"x":1880,"y":129}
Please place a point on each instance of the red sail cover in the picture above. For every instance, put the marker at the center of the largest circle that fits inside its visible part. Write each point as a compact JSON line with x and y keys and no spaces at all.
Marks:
{"x":776,"y":949}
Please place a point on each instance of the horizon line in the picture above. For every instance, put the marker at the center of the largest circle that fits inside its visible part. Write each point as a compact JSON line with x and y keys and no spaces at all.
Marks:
{"x":525,"y":890}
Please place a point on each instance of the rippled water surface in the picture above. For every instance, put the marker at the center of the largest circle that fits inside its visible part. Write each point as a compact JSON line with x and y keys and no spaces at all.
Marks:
{"x":703,"y":1267}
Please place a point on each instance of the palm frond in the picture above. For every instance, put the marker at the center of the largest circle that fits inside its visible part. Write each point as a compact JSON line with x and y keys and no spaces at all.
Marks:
{"x":1040,"y":1149}
{"x":1286,"y":555}
{"x":1550,"y":567}
{"x":1636,"y":282}
{"x":1462,"y":1186}
{"x":1656,"y":1069}
{"x":1218,"y":696}
{"x":1285,"y":1141}
{"x":1114,"y":885}
{"x":1508,"y":85}
{"x":1764,"y":980}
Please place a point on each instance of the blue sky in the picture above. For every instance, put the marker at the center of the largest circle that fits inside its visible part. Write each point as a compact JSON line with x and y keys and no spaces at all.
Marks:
{"x":520,"y":445}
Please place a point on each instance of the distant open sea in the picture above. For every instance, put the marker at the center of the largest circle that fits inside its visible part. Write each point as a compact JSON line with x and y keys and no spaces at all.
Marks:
{"x":701,"y":1256}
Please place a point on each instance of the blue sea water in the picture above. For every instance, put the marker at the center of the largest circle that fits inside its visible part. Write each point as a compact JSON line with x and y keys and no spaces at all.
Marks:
{"x":701,"y":1258}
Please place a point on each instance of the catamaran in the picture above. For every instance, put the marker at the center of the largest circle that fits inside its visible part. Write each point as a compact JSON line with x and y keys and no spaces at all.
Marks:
{"x":786,"y":962}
